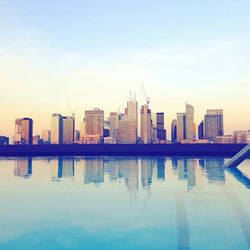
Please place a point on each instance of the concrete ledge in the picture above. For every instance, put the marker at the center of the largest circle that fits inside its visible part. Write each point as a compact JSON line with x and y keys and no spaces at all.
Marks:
{"x":123,"y":149}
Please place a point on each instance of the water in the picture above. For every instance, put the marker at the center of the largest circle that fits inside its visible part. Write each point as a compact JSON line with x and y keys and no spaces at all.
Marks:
{"x":123,"y":203}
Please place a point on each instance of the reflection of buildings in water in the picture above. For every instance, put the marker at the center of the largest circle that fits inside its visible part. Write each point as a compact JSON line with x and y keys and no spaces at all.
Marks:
{"x":181,"y":169}
{"x":62,"y":167}
{"x":146,"y":172}
{"x":161,"y":168}
{"x":174,"y":164}
{"x":112,"y":167}
{"x":191,"y":172}
{"x":186,"y":170}
{"x":23,"y":167}
{"x":93,"y":170}
{"x":214,"y":170}
{"x":202,"y":164}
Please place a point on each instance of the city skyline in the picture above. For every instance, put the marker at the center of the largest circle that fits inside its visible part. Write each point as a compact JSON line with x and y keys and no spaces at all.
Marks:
{"x":92,"y":54}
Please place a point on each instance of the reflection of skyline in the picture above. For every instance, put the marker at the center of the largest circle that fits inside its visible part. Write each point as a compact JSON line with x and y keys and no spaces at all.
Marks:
{"x":23,"y":167}
{"x":146,"y":172}
{"x":93,"y":170}
{"x":214,"y":170}
{"x":62,"y":167}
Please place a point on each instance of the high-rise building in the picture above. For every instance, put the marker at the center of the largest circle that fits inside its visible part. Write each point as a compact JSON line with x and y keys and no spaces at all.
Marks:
{"x":132,"y":112}
{"x":4,"y":140}
{"x":146,"y":124}
{"x":46,"y":136}
{"x":242,"y":136}
{"x":68,"y":129}
{"x":56,"y":129}
{"x":161,"y":132}
{"x":113,"y":124}
{"x":174,"y":131}
{"x":94,"y":122}
{"x":127,"y":131}
{"x":213,"y":124}
{"x":23,"y":131}
{"x":77,"y":136}
{"x":189,"y":123}
{"x":201,"y":131}
{"x":181,"y":127}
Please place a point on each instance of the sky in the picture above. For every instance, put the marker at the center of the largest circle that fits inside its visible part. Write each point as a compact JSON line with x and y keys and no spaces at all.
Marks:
{"x":92,"y":53}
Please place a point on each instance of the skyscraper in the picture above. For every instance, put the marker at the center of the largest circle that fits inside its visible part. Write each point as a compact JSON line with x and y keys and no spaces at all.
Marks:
{"x":23,"y":131}
{"x":68,"y":129}
{"x":132,"y":112}
{"x":181,"y":128}
{"x":146,"y":129}
{"x":201,"y":131}
{"x":213,"y":124}
{"x":113,"y":124}
{"x":127,"y":131}
{"x":94,"y":122}
{"x":56,"y":129}
{"x":189,"y":123}
{"x":174,"y":131}
{"x":161,"y":132}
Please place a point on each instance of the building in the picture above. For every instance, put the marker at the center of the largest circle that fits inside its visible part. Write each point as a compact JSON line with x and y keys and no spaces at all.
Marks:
{"x":174,"y":131}
{"x":161,"y":132}
{"x":4,"y":140}
{"x":146,"y":125}
{"x":37,"y":140}
{"x":94,"y":122}
{"x":189,"y":123}
{"x":56,"y":129}
{"x":68,"y":129}
{"x":132,"y":112}
{"x":113,"y":124}
{"x":224,"y":139}
{"x":181,"y":128}
{"x":201,"y":131}
{"x":242,"y":136}
{"x":23,"y":131}
{"x":213,"y":124}
{"x":109,"y":140}
{"x":77,"y":136}
{"x":46,"y":136}
{"x":127,"y":131}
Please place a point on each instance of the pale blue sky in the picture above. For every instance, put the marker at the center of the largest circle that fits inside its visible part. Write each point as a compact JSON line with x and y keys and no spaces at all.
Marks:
{"x":93,"y":52}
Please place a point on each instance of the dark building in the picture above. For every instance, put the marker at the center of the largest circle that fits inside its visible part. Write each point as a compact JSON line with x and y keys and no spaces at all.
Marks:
{"x":105,"y":132}
{"x":161,"y":132}
{"x":4,"y":140}
{"x":174,"y":131}
{"x":201,"y":131}
{"x":23,"y":131}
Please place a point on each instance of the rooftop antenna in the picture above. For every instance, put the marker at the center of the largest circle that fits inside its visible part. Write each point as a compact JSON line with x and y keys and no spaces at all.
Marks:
{"x":134,"y":96}
{"x":129,"y":95}
{"x":145,"y":95}
{"x":70,"y":109}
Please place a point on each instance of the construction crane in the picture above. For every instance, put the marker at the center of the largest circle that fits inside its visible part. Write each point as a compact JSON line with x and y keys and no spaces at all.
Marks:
{"x":70,"y":109}
{"x":145,"y":95}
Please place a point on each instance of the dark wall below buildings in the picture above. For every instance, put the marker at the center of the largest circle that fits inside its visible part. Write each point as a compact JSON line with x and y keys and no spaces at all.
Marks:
{"x":122,"y":149}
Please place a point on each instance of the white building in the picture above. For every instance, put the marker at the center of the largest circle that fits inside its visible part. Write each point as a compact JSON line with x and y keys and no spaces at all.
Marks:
{"x":146,"y":124}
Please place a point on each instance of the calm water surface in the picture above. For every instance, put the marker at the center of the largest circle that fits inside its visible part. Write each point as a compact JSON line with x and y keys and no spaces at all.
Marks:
{"x":123,"y":203}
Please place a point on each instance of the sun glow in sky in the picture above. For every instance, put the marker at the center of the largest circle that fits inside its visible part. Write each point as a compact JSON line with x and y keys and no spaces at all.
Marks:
{"x":93,"y":52}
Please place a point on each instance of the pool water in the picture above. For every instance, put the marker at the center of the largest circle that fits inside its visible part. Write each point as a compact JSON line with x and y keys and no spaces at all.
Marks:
{"x":123,"y":203}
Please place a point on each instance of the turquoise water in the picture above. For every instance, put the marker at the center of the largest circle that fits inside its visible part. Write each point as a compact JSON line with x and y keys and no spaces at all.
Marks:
{"x":123,"y":203}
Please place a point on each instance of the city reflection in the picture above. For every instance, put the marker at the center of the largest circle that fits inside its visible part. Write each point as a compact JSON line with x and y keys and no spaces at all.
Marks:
{"x":62,"y":167}
{"x":133,"y":169}
{"x":23,"y":167}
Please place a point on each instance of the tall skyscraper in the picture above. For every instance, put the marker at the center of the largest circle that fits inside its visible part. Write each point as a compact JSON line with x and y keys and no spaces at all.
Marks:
{"x":94,"y":122}
{"x":161,"y":132}
{"x":68,"y":129}
{"x":213,"y":124}
{"x":23,"y":131}
{"x":189,"y":123}
{"x":146,"y":124}
{"x":127,"y":131}
{"x":174,"y":131}
{"x":113,"y":124}
{"x":56,"y":129}
{"x":181,"y":128}
{"x":201,"y":131}
{"x":132,"y":112}
{"x":46,"y":136}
